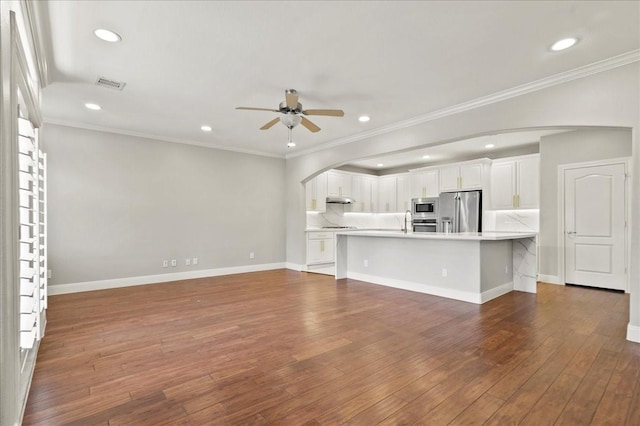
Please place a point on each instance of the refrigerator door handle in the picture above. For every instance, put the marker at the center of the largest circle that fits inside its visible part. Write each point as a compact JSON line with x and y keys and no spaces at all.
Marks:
{"x":456,"y":213}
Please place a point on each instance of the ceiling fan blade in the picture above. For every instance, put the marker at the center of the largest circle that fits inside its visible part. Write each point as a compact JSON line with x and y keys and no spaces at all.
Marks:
{"x":291,"y":98}
{"x":270,"y":124}
{"x":258,"y":109}
{"x":309,"y":125}
{"x":331,"y":112}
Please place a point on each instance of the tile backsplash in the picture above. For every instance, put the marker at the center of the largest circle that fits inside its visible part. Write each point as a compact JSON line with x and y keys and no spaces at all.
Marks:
{"x":494,"y":220}
{"x":339,"y":215}
{"x":512,"y":220}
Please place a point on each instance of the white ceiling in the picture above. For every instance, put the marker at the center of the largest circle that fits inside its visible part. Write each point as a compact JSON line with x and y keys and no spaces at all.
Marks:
{"x":190,"y":63}
{"x":503,"y":143}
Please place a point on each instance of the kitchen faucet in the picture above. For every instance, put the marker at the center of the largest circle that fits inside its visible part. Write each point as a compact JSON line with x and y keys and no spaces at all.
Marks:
{"x":405,"y":220}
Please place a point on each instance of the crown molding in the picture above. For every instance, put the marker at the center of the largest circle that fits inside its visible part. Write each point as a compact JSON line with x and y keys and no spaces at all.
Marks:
{"x":156,"y":137}
{"x":35,"y":41}
{"x":534,"y":86}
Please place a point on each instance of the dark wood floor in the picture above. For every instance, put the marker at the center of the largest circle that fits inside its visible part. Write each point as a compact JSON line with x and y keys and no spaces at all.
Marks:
{"x":289,"y":348}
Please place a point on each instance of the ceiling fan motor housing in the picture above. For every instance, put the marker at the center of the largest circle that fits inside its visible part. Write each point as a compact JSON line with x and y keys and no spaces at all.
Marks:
{"x":283,"y":108}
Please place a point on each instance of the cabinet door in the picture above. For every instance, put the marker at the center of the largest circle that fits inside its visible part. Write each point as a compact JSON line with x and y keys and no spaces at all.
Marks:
{"x":320,"y":251}
{"x":316,"y":193}
{"x":403,"y":191}
{"x":338,"y":184}
{"x":373,"y":206}
{"x":471,"y":176}
{"x":529,"y":183}
{"x":503,"y":185}
{"x":387,"y":194}
{"x":365,"y":201}
{"x":449,"y":178}
{"x":431,"y":184}
{"x":418,"y":189}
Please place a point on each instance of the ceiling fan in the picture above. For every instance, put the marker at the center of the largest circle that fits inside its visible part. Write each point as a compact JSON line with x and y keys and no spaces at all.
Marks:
{"x":293,"y":114}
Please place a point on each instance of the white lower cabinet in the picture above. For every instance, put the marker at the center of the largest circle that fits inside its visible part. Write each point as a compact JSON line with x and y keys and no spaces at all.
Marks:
{"x":319,"y":247}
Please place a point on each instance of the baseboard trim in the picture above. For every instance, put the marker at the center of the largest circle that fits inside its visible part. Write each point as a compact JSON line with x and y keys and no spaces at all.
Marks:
{"x":294,"y":266}
{"x":550,"y":279}
{"x":491,"y":294}
{"x":463,"y":296}
{"x":159,"y":278}
{"x":633,"y":333}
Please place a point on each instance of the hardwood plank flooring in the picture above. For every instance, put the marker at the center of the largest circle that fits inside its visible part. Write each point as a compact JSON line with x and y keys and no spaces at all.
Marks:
{"x":293,"y":348}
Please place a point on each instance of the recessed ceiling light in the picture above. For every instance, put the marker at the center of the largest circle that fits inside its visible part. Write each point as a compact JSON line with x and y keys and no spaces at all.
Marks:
{"x":425,"y":157}
{"x":565,"y":43}
{"x":489,"y":146}
{"x":107,"y":35}
{"x":364,"y":118}
{"x":380,"y":164}
{"x":94,"y":107}
{"x":206,"y":128}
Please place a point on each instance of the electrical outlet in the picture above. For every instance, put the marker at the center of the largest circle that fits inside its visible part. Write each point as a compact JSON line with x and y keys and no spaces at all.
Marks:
{"x":174,"y":262}
{"x":444,"y":272}
{"x":49,"y":273}
{"x":506,"y":269}
{"x":366,"y":263}
{"x":187,"y":262}
{"x":252,"y":255}
{"x":165,"y":263}
{"x":195,"y":261}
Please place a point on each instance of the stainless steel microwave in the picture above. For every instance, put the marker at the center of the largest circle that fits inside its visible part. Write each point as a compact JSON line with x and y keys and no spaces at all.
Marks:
{"x":425,"y":208}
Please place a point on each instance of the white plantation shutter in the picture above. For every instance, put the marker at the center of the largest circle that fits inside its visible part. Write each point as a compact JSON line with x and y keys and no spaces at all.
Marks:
{"x":32,"y":195}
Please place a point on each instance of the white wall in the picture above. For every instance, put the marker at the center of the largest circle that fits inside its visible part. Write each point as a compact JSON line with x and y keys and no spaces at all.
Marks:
{"x":608,"y":98}
{"x":119,"y":205}
{"x":566,"y":148}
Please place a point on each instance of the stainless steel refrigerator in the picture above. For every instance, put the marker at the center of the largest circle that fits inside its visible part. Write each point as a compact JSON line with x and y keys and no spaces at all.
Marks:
{"x":460,"y":211}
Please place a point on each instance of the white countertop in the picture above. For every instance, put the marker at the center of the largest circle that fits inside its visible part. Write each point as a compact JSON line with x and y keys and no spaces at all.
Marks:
{"x":464,"y":236}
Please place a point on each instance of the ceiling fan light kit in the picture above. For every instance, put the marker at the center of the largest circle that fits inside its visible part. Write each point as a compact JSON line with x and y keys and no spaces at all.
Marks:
{"x":293,"y":114}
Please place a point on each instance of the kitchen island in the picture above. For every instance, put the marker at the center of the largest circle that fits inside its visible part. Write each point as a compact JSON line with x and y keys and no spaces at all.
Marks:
{"x":472,"y":267}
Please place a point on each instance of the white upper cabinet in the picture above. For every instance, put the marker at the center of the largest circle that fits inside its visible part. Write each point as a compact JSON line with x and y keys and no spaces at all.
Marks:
{"x":515,"y":183}
{"x":424,"y":184}
{"x":403,"y":193}
{"x":471,"y":176}
{"x":387,"y":194}
{"x":394,"y":193}
{"x":463,"y":176}
{"x":316,"y":190}
{"x":449,"y":178}
{"x":338,"y":184}
{"x":362,"y":190}
{"x":503,"y":185}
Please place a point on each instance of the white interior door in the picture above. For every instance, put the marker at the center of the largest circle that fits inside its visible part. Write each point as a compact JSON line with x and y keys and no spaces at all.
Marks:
{"x":595,"y":226}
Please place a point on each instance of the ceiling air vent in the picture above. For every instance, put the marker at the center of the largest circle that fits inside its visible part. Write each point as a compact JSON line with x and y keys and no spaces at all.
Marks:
{"x":110,"y":84}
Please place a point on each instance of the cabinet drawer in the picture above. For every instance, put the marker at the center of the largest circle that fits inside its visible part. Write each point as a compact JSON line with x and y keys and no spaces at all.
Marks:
{"x":320,"y":235}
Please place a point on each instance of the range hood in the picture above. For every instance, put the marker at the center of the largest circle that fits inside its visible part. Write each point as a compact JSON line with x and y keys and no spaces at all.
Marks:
{"x":340,"y":200}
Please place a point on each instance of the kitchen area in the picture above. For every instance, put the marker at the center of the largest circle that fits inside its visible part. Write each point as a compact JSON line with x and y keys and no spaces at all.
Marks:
{"x":465,"y":230}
